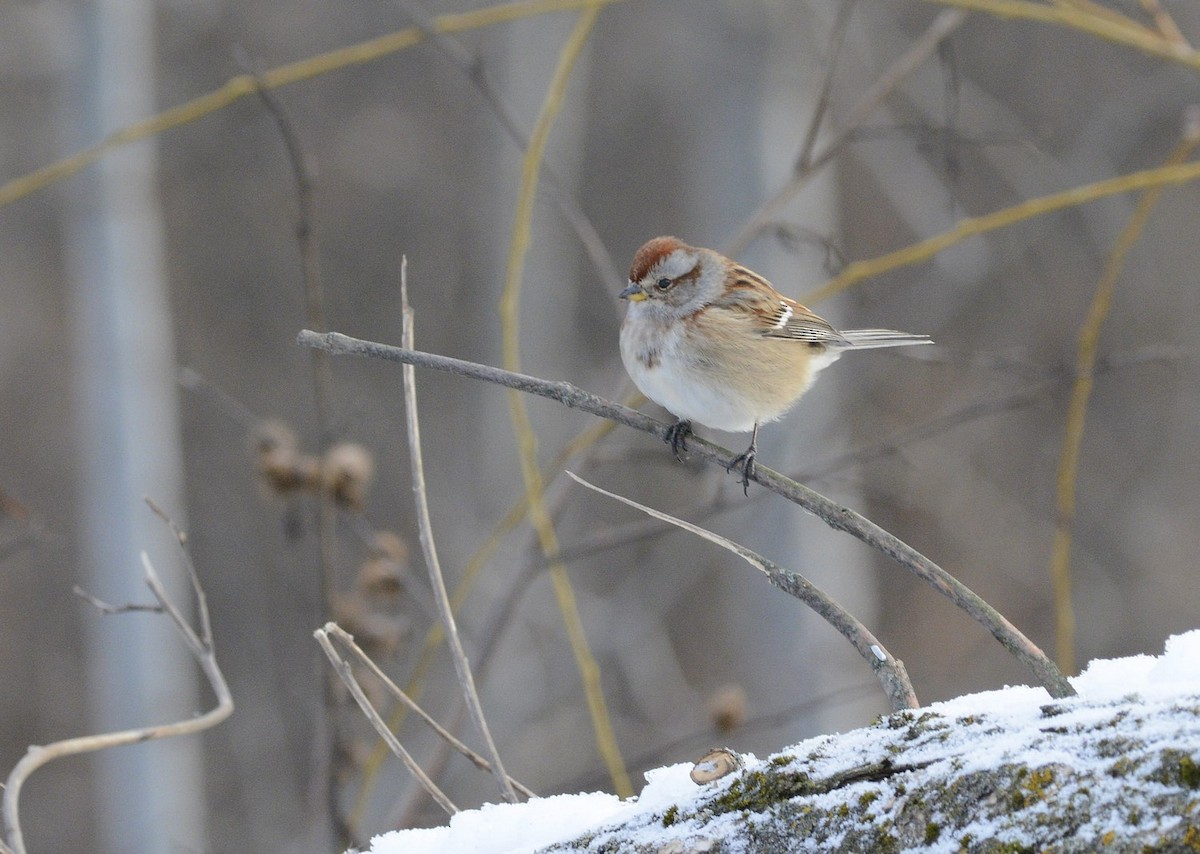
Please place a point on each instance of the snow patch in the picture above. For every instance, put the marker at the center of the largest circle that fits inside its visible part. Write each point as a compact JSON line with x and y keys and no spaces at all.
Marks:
{"x":978,"y":731}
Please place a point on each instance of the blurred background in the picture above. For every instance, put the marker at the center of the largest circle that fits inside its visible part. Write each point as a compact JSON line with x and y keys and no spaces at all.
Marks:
{"x":148,"y":313}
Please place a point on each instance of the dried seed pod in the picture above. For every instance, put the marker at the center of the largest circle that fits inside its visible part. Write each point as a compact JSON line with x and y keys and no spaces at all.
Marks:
{"x":389,"y":544}
{"x":727,"y":707}
{"x":381,"y":575}
{"x":347,"y":474}
{"x":715,"y":764}
{"x":283,"y":469}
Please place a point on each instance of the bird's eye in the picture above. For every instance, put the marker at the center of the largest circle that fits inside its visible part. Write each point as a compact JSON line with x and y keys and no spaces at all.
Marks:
{"x":663,"y":283}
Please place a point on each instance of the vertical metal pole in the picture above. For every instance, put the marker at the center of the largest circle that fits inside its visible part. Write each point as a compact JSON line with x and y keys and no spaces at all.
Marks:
{"x":151,"y":796}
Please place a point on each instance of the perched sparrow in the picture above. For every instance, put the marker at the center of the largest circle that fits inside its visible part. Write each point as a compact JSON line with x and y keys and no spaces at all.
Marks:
{"x":715,"y":343}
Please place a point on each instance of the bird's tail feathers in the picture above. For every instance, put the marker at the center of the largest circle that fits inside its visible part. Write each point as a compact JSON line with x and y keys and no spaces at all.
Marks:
{"x":863,"y":339}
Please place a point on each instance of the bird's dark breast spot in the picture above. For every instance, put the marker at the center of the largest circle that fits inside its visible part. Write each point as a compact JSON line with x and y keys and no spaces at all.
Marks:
{"x":649,"y":358}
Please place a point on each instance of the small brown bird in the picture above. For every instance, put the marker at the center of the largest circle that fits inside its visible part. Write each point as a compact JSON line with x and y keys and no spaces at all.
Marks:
{"x":715,"y":343}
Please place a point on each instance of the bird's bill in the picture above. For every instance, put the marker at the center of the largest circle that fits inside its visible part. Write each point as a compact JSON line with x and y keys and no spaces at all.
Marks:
{"x":633,"y":293}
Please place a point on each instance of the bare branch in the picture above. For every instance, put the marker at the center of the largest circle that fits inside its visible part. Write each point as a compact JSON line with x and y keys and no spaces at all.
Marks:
{"x":461,"y":666}
{"x":946,"y":22}
{"x":478,"y":761}
{"x":107,"y":608}
{"x":206,"y":637}
{"x":343,"y":670}
{"x":890,"y":671}
{"x":836,"y":39}
{"x":837,"y":517}
{"x":326,"y":746}
{"x":570,"y":209}
{"x":304,"y":175}
{"x":194,"y":381}
{"x":201,"y":648}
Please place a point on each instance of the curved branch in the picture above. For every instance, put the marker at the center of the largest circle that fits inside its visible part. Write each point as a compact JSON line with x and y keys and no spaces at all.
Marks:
{"x":199,"y":644}
{"x":890,"y":670}
{"x":834,"y":515}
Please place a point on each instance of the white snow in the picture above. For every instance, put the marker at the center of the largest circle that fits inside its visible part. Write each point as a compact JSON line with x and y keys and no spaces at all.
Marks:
{"x":1005,"y":726}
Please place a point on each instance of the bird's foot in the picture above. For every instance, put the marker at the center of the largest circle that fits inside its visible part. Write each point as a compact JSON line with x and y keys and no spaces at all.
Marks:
{"x":676,"y":436}
{"x":744,"y":462}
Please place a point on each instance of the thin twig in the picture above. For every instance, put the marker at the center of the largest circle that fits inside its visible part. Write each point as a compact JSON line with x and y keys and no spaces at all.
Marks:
{"x":1165,"y":24}
{"x":891,"y":672}
{"x":1115,"y":28}
{"x":342,"y":667}
{"x":572,"y":212}
{"x":107,"y":608}
{"x":194,"y":381}
{"x":923,"y":250}
{"x":448,"y":737}
{"x":1090,"y":7}
{"x":201,"y":647}
{"x":645,"y":529}
{"x":461,"y":666}
{"x":304,"y":174}
{"x":504,"y":606}
{"x":943,"y":25}
{"x":837,"y":517}
{"x":836,"y":39}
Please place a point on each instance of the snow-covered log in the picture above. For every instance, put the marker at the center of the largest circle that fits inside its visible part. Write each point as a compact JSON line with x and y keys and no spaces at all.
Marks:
{"x":1115,"y":769}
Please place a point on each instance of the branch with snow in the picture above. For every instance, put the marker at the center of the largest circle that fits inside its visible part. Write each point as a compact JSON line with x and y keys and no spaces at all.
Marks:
{"x":836,"y":516}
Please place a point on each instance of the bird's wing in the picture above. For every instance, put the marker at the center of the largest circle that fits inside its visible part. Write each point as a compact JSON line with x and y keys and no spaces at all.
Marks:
{"x":789,"y":319}
{"x":773,"y":315}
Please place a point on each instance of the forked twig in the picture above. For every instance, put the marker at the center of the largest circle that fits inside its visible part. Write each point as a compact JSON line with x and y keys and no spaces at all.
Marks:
{"x":836,"y":516}
{"x":347,"y":676}
{"x":461,"y":666}
{"x":890,"y":671}
{"x":347,"y":640}
{"x":199,"y":644}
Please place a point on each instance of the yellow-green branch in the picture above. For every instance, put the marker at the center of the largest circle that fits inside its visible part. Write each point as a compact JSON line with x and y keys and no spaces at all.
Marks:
{"x":436,"y":634}
{"x":1109,"y":27}
{"x":1081,"y":391}
{"x":246,"y":85}
{"x":564,"y":593}
{"x":926,"y":249}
